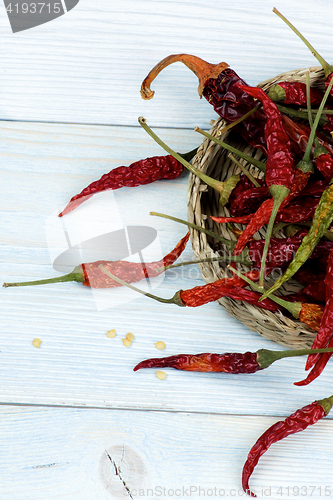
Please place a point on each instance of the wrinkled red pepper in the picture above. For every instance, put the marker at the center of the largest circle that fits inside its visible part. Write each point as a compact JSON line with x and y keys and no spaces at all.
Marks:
{"x":298,"y":421}
{"x":91,"y":274}
{"x":294,"y":93}
{"x":325,"y":333}
{"x":248,"y":362}
{"x":139,"y":173}
{"x":219,"y":85}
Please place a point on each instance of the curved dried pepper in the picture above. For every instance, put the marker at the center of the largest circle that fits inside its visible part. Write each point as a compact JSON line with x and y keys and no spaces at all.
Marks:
{"x":298,"y":421}
{"x":248,"y":362}
{"x":139,"y":173}
{"x":219,"y":85}
{"x":91,"y":274}
{"x":325,"y":333}
{"x":294,"y":93}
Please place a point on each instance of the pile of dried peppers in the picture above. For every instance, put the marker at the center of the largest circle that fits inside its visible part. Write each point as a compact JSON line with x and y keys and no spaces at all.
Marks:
{"x":292,"y":125}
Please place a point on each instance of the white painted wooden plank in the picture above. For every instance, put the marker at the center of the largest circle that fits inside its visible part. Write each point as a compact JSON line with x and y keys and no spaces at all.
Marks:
{"x":76,"y":363}
{"x":87,"y":66}
{"x":61,"y":453}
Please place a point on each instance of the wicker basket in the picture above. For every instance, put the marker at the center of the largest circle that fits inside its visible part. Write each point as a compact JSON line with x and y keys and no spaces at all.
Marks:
{"x":203,"y":202}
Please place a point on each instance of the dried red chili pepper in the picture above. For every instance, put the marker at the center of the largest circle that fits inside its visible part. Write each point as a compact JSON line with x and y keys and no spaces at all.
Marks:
{"x":294,"y":93}
{"x":325,"y":333}
{"x":299,"y":134}
{"x":298,"y":421}
{"x":91,"y":274}
{"x":322,"y":218}
{"x":298,"y":210}
{"x":248,"y":362}
{"x":246,"y":198}
{"x":138,"y":173}
{"x":219,"y":85}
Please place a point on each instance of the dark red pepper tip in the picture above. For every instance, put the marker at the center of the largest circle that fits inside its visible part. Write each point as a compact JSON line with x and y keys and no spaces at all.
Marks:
{"x":202,"y":69}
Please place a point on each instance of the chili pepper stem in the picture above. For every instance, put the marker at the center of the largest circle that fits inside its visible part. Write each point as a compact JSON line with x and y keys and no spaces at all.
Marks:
{"x":244,"y":170}
{"x":326,"y":67}
{"x":217,"y":185}
{"x":231,"y":258}
{"x":226,"y":146}
{"x":305,"y":164}
{"x":239,"y":120}
{"x":75,"y":275}
{"x":293,"y":307}
{"x":318,"y":148}
{"x":326,"y":403}
{"x":229,"y":244}
{"x":279,"y":193}
{"x":174,"y":300}
{"x":266,"y":357}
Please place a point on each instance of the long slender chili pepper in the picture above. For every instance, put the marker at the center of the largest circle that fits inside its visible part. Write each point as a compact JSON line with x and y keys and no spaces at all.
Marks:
{"x":280,"y":170}
{"x":294,"y":93}
{"x":91,"y":274}
{"x":219,"y":85}
{"x":298,"y":421}
{"x":223,"y":188}
{"x":139,"y":173}
{"x":325,"y":333}
{"x":249,"y":362}
{"x":299,"y":134}
{"x":298,"y":210}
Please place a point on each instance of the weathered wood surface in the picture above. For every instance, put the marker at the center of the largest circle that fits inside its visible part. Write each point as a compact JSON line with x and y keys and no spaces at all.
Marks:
{"x":87,"y":66}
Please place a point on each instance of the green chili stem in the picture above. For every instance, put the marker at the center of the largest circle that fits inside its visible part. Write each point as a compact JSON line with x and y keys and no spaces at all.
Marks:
{"x":307,"y":153}
{"x":308,"y":100}
{"x":217,"y":185}
{"x":244,"y":170}
{"x":266,"y":357}
{"x":239,"y":120}
{"x":231,"y":258}
{"x":226,"y":146}
{"x":326,"y":67}
{"x":174,"y":300}
{"x":75,"y":275}
{"x":293,"y":307}
{"x":228,"y":243}
{"x":326,"y":403}
{"x":279,"y":193}
{"x":303,"y":113}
